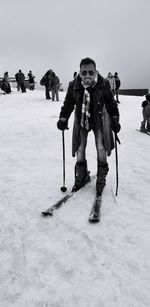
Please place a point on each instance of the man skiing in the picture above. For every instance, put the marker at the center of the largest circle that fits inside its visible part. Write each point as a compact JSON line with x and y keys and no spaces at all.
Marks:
{"x":91,"y":97}
{"x":145,"y":124}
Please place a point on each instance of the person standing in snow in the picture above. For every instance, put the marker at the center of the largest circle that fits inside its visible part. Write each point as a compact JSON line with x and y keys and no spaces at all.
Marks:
{"x":117,"y":86}
{"x":7,"y":82}
{"x":18,"y":85}
{"x":54,"y":85}
{"x":31,"y":81}
{"x":145,"y":124}
{"x":46,"y":81}
{"x":4,"y":86}
{"x":21,"y":81}
{"x":95,"y":109}
{"x":111,"y":80}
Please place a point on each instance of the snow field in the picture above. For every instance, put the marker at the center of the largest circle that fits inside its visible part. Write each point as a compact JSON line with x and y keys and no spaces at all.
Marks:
{"x":63,"y":261}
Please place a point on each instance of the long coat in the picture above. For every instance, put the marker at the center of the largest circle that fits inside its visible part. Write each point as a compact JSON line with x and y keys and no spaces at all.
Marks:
{"x":101,"y":95}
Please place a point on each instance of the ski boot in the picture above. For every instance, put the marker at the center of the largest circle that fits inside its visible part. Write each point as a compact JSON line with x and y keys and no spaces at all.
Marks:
{"x":82,"y":175}
{"x":101,"y":177}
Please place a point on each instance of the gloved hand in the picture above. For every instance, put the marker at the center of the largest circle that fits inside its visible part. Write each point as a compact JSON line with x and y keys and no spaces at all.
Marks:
{"x":115,"y":124}
{"x":62,"y":124}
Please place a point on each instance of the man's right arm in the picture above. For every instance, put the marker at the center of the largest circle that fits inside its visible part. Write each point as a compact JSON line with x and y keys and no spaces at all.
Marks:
{"x":66,"y":109}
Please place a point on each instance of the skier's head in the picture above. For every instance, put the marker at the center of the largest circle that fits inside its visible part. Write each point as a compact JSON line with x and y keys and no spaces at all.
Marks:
{"x":53,"y":74}
{"x":87,"y":70}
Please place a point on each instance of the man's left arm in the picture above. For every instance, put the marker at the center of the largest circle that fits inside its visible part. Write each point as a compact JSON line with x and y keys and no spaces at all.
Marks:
{"x":112,"y":109}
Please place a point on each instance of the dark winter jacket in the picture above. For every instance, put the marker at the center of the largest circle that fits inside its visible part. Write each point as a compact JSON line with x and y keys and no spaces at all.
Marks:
{"x":46,"y":79}
{"x":21,"y":77}
{"x":31,"y":78}
{"x":54,"y":83}
{"x":5,"y":86}
{"x":100,"y":94}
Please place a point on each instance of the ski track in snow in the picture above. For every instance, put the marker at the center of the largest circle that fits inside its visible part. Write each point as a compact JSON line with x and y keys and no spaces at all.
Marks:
{"x":64,"y":261}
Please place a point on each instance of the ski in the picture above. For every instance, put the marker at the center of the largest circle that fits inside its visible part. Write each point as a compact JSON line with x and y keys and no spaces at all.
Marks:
{"x":63,"y":200}
{"x":95,"y":212}
{"x":146,"y":132}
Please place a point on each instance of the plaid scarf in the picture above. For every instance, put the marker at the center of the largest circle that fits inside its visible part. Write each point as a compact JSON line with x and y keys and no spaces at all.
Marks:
{"x":85,"y":115}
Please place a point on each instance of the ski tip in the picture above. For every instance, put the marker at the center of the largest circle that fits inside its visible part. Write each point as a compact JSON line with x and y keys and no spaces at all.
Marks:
{"x":93,"y":220}
{"x":47,"y":213}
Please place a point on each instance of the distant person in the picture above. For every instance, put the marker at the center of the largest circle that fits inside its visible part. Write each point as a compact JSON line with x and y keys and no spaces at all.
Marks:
{"x":46,"y":81}
{"x":31,"y":81}
{"x":5,"y":86}
{"x":117,"y":86}
{"x":18,"y":85}
{"x":111,"y":80}
{"x":21,"y":81}
{"x":89,"y":94}
{"x":75,"y":75}
{"x":7,"y":82}
{"x":54,"y":85}
{"x":145,"y":124}
{"x":61,"y":87}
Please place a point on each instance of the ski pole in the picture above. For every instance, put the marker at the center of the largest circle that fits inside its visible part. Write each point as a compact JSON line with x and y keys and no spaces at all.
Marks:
{"x":116,"y":154}
{"x":63,"y":188}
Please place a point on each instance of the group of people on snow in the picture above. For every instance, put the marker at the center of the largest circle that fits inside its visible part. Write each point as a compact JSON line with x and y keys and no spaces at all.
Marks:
{"x":20,"y":80}
{"x":51,"y":82}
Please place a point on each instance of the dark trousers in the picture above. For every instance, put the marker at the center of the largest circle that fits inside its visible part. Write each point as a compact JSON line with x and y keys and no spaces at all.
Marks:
{"x":55,"y":93}
{"x":47,"y":92}
{"x":22,"y":86}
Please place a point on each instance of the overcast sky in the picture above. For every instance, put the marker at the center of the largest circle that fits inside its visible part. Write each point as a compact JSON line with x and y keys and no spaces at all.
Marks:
{"x":56,"y":34}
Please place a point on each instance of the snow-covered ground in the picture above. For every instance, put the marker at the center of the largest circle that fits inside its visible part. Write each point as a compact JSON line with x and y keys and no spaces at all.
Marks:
{"x":64,"y":261}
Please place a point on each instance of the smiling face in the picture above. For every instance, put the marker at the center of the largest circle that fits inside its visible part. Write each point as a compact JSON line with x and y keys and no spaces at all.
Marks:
{"x":87,"y":73}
